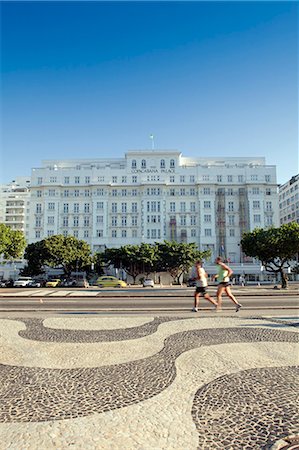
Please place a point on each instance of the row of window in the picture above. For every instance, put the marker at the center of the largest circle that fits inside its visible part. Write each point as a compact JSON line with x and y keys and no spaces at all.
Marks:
{"x":134,"y":178}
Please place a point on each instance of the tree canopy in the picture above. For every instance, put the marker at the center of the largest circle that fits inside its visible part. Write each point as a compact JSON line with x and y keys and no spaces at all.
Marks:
{"x":12,"y":242}
{"x":274,"y":247}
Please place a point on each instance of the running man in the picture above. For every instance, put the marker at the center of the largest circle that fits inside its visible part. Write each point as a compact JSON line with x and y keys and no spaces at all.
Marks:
{"x":224,"y":272}
{"x":201,"y":286}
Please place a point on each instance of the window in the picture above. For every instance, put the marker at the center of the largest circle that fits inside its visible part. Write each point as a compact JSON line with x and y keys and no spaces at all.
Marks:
{"x":123,"y":233}
{"x":193,"y":220}
{"x":134,"y":233}
{"x":86,"y":207}
{"x":86,"y":192}
{"x":114,"y":233}
{"x":133,"y":163}
{"x":256,"y":204}
{"x":230,"y":191}
{"x":100,"y":205}
{"x":143,"y":164}
{"x":39,"y":180}
{"x":134,"y":192}
{"x":208,"y":232}
{"x":207,"y":204}
{"x":65,"y":208}
{"x":76,"y":233}
{"x":124,"y":192}
{"x":267,"y":178}
{"x":51,"y":192}
{"x":172,"y":192}
{"x":183,"y":220}
{"x":114,"y":179}
{"x":172,"y":164}
{"x":38,"y":208}
{"x":206,"y":191}
{"x":269,"y":220}
{"x":134,"y":179}
{"x":219,"y":178}
{"x":86,"y":221}
{"x":37,"y":234}
{"x":100,"y":219}
{"x":86,"y":233}
{"x":207,"y":218}
{"x":123,"y":179}
{"x":99,"y":233}
{"x":232,"y":232}
{"x":240,"y":179}
{"x":123,"y":221}
{"x":134,"y":207}
{"x":182,"y":191}
{"x":87,"y":180}
{"x":114,"y":192}
{"x":182,"y":179}
{"x":38,"y":193}
{"x":268,"y":206}
{"x":206,"y":177}
{"x":77,"y":180}
{"x":230,"y":206}
{"x":192,"y":191}
{"x":114,"y":221}
{"x":65,"y":221}
{"x":171,"y":178}
{"x":101,"y":179}
{"x":53,"y":179}
{"x":253,"y":177}
{"x":134,"y":221}
{"x":256,"y":190}
{"x":66,"y":193}
{"x":229,"y":178}
{"x":38,"y":222}
{"x":162,"y":163}
{"x":231,"y":220}
{"x":66,"y":180}
{"x":100,"y":192}
{"x":193,"y":233}
{"x":76,"y":221}
{"x":76,"y":193}
{"x":192,"y":179}
{"x":123,"y":207}
{"x":257,"y":218}
{"x":50,"y":233}
{"x":51,"y":206}
{"x":268,"y":191}
{"x":192,"y":207}
{"x":172,"y":206}
{"x":182,"y":207}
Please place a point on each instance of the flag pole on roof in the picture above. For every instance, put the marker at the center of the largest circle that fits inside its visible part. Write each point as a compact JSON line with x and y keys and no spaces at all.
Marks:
{"x":153,"y":142}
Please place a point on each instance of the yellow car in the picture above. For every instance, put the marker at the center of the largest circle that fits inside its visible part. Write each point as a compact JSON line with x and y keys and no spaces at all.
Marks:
{"x":53,"y":283}
{"x":108,"y":281}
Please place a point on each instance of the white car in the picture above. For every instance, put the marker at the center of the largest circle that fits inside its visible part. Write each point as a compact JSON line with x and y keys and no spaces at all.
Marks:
{"x":23,"y":282}
{"x":148,"y":282}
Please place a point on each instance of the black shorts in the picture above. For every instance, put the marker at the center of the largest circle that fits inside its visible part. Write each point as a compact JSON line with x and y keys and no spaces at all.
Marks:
{"x":224,"y":283}
{"x":201,"y":289}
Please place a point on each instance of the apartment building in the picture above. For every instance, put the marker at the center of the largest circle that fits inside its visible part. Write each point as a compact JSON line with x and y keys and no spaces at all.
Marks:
{"x":149,"y":196}
{"x":289,"y":201}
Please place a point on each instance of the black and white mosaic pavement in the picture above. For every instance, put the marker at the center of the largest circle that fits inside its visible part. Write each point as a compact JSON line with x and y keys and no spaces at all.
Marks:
{"x":37,"y":395}
{"x":35,"y":330}
{"x":248,"y":410}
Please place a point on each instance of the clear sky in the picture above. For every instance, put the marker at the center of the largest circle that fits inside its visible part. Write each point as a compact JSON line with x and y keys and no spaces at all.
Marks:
{"x":95,"y":79}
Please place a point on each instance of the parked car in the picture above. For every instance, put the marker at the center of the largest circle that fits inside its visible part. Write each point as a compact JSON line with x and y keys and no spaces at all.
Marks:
{"x":191,"y":282}
{"x":53,"y":283}
{"x":34,"y":284}
{"x":2,"y":284}
{"x":23,"y":281}
{"x":148,"y":282}
{"x":109,"y":281}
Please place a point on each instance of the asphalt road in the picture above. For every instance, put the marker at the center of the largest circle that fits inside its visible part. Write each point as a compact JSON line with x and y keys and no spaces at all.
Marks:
{"x":144,"y":303}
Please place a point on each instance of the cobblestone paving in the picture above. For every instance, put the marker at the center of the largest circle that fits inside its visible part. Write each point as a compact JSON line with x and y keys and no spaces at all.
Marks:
{"x":35,"y":394}
{"x":248,"y":410}
{"x":36,"y":331}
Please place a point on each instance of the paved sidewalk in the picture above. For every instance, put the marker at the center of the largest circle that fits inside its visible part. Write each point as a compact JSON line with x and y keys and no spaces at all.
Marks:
{"x":147,"y":383}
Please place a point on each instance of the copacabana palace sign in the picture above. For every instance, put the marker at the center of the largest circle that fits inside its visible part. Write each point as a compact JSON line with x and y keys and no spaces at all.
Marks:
{"x":152,"y":171}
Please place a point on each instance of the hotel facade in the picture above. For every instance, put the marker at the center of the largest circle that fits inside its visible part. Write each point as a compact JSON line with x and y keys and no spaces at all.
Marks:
{"x":150,"y":196}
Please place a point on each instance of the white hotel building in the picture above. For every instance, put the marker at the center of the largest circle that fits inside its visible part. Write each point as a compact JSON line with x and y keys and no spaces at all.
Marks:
{"x":149,"y":196}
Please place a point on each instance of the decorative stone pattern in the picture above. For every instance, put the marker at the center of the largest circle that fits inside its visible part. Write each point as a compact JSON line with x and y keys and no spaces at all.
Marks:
{"x":35,"y":330}
{"x":248,"y":410}
{"x":36,"y":395}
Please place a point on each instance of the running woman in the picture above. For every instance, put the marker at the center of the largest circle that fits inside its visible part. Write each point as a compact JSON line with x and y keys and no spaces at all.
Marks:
{"x":201,"y":286}
{"x":224,"y":272}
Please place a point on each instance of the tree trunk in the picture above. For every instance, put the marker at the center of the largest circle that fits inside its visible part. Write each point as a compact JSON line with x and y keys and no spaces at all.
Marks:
{"x":284,"y":280}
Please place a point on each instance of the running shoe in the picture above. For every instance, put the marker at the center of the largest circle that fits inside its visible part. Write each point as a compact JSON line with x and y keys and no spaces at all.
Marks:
{"x":195,"y":310}
{"x":238,"y":307}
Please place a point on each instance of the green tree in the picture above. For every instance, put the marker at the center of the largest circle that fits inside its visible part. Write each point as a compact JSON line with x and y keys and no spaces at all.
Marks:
{"x":12,"y":242}
{"x":177,"y":258}
{"x":274,"y":247}
{"x":35,"y":254}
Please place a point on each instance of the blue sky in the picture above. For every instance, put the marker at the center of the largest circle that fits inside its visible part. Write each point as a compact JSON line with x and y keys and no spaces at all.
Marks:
{"x":95,"y":79}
